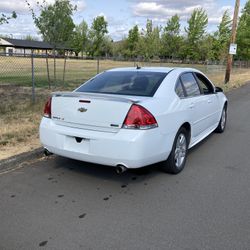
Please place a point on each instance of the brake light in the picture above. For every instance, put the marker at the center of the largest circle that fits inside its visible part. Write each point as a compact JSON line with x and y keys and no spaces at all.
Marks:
{"x":139,"y":118}
{"x":47,"y":108}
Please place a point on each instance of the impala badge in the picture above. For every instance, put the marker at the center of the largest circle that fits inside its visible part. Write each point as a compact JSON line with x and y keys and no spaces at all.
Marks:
{"x":82,"y":110}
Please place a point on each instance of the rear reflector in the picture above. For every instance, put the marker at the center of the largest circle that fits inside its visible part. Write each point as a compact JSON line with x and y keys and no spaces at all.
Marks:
{"x":139,"y":118}
{"x":47,"y":108}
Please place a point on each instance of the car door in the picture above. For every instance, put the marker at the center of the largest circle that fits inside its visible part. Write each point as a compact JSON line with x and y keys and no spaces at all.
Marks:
{"x":211,"y":107}
{"x":195,"y":104}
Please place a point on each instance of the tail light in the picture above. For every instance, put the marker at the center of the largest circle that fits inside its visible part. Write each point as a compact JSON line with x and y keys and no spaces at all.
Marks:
{"x":139,"y":118}
{"x":47,"y":108}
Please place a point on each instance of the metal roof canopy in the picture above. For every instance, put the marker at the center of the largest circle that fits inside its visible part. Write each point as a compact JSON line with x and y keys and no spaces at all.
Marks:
{"x":28,"y":44}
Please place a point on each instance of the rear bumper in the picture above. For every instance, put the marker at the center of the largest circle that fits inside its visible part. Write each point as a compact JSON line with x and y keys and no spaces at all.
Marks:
{"x":131,"y":148}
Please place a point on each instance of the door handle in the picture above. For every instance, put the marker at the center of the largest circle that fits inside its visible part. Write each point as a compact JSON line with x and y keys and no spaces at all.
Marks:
{"x":209,"y":101}
{"x":191,"y":106}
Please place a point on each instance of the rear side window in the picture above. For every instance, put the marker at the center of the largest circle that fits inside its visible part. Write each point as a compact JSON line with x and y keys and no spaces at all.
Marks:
{"x":190,"y":84}
{"x":179,"y":89}
{"x":139,"y":83}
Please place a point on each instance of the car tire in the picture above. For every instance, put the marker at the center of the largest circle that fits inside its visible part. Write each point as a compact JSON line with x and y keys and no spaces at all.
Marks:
{"x":177,"y":158}
{"x":223,"y":121}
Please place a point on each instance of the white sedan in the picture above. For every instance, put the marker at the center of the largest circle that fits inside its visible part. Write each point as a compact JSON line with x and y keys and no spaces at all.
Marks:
{"x":134,"y":117}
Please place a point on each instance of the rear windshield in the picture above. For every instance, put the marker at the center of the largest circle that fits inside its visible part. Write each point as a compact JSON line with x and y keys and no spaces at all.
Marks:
{"x":139,"y":83}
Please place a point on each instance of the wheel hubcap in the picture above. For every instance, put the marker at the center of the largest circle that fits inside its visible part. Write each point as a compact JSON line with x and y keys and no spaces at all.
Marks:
{"x":180,"y":150}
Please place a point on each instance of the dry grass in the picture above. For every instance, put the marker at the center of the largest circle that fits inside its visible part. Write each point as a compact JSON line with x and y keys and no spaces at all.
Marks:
{"x":238,"y":78}
{"x":19,"y":119}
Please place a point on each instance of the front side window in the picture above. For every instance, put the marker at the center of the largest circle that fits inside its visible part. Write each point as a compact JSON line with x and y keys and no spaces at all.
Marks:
{"x":190,"y":85}
{"x":139,"y":83}
{"x":205,"y":85}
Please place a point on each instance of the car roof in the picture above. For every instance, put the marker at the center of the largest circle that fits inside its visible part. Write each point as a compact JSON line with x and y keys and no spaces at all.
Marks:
{"x":154,"y":69}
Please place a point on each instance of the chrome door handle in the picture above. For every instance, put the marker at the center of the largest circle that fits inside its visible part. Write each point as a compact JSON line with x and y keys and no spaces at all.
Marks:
{"x":209,"y":101}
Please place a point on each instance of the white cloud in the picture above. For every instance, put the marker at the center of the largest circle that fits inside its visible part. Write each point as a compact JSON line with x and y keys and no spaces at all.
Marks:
{"x":102,"y":14}
{"x":7,"y":6}
{"x":119,"y":33}
{"x":21,"y":7}
{"x":81,"y":5}
{"x":178,"y":4}
{"x":161,"y":10}
{"x":153,"y":9}
{"x":157,"y":10}
{"x":117,"y":28}
{"x":24,"y":24}
{"x":19,"y":28}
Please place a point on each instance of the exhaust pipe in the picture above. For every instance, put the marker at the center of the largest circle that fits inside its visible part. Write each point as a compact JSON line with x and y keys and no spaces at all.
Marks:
{"x":120,"y":169}
{"x":47,"y":152}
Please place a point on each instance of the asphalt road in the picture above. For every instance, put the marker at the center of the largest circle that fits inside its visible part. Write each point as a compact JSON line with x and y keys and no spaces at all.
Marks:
{"x":58,"y":203}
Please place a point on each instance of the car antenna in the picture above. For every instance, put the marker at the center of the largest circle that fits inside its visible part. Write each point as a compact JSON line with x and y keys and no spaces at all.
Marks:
{"x":137,"y":66}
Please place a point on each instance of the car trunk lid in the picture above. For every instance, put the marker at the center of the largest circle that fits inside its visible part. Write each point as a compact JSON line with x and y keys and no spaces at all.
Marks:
{"x":91,"y":111}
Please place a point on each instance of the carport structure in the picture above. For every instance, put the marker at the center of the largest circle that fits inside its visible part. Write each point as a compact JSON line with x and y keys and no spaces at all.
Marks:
{"x":10,"y":47}
{"x":27,"y":47}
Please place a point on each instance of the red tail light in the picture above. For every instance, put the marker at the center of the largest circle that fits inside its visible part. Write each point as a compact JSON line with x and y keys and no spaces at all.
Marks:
{"x":139,"y":118}
{"x":47,"y":108}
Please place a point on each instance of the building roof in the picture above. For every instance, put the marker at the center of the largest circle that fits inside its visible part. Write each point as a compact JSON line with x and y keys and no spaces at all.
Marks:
{"x":28,"y":44}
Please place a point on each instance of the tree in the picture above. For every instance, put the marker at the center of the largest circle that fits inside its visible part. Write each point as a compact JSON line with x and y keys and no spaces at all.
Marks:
{"x":80,"y":38}
{"x":150,"y":42}
{"x":222,"y":37}
{"x":55,"y":22}
{"x":106,"y":49}
{"x":243,"y":33}
{"x":173,"y":26}
{"x":119,"y":48}
{"x":97,"y":35}
{"x":171,"y":39}
{"x":195,"y":31}
{"x":206,"y":48}
{"x":30,"y":38}
{"x":5,"y":19}
{"x":132,"y":41}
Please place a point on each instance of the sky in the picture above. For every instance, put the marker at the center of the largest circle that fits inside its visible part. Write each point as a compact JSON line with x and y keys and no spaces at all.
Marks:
{"x":121,"y":15}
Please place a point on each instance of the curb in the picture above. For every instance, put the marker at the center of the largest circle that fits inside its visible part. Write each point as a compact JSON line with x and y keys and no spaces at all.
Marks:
{"x":17,"y":159}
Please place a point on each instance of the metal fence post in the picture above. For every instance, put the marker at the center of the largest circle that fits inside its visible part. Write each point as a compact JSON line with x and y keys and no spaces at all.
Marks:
{"x":64,"y":68}
{"x":98,"y":65}
{"x":54,"y":67}
{"x":47,"y":63}
{"x":33,"y":78}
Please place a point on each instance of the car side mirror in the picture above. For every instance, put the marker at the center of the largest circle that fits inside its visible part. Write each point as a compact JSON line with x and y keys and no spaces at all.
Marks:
{"x":218,"y":89}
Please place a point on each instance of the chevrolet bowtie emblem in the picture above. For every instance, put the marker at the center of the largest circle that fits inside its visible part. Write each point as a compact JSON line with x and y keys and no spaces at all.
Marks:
{"x":82,"y":109}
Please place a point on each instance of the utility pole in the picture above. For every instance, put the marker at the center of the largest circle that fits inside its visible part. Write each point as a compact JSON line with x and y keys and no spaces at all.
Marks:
{"x":232,"y":40}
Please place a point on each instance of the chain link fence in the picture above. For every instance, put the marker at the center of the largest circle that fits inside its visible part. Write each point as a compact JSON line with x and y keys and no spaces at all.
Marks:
{"x":27,"y":81}
{"x":66,"y":73}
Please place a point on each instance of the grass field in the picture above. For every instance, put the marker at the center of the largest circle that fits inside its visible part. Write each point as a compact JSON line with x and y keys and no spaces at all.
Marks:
{"x":19,"y":118}
{"x":17,"y":70}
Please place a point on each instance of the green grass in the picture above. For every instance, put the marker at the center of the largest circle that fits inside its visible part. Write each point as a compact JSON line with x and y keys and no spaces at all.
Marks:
{"x":17,"y":70}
